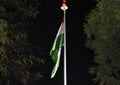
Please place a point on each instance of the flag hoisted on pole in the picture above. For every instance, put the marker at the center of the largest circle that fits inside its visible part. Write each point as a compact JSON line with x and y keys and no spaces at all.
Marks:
{"x":60,"y":41}
{"x":56,"y":49}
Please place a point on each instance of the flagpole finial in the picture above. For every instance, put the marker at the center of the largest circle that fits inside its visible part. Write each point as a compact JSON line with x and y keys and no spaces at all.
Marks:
{"x":64,"y":7}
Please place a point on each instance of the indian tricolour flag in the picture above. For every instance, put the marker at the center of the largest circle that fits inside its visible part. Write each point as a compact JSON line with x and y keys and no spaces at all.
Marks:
{"x":56,"y":49}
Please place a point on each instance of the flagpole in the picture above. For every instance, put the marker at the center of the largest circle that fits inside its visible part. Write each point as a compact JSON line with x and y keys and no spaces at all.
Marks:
{"x":64,"y":8}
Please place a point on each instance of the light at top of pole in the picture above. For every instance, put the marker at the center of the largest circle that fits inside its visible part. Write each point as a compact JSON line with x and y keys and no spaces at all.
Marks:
{"x":64,"y":6}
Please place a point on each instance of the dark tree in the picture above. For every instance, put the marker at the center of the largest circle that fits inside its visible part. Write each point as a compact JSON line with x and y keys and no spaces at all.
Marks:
{"x":19,"y":61}
{"x":102,"y":28}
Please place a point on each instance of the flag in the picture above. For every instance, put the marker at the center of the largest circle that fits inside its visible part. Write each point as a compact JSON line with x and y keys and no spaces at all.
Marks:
{"x":56,"y":49}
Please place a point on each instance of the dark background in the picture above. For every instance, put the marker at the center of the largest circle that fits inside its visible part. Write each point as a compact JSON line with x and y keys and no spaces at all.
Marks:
{"x":79,"y":58}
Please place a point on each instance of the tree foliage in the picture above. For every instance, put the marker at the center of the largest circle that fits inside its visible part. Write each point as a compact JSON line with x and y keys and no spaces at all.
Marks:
{"x":102,"y":29}
{"x":16,"y":54}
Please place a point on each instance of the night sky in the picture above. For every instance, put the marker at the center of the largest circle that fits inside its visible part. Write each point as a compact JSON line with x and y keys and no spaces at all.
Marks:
{"x":79,"y":58}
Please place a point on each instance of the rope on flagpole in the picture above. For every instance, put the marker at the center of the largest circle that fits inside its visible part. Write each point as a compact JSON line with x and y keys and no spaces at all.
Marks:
{"x":64,"y":7}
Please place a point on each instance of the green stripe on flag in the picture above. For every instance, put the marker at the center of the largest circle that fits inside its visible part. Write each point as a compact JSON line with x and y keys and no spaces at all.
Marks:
{"x":57,"y":43}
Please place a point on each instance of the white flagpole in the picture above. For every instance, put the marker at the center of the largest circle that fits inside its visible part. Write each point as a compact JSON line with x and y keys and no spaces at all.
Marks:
{"x":64,"y":8}
{"x":65,"y":61}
